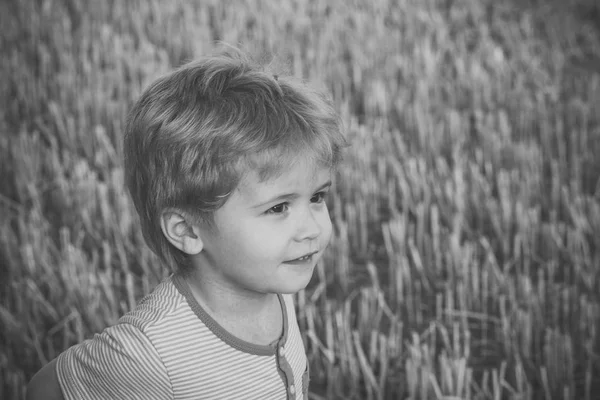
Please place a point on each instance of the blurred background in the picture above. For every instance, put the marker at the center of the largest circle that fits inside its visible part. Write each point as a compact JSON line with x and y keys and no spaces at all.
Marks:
{"x":466,"y":253}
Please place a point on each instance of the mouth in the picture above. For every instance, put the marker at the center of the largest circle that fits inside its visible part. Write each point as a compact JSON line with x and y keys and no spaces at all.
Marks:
{"x":307,"y":258}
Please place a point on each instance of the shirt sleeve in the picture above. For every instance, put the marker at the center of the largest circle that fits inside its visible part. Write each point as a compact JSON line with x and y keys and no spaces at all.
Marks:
{"x":119,"y":363}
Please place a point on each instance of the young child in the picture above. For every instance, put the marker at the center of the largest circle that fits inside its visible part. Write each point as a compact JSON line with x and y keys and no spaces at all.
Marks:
{"x":228,"y":166}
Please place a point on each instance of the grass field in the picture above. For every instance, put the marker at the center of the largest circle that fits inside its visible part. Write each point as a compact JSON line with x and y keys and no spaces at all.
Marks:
{"x":466,"y":256}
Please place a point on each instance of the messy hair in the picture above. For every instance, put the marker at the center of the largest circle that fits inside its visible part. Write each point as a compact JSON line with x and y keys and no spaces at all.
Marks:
{"x":194,"y":132}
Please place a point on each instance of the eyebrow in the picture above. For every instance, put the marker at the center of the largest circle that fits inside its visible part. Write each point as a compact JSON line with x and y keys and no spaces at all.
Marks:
{"x":289,"y":196}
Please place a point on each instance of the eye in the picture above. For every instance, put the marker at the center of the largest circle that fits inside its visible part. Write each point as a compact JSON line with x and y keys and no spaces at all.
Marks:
{"x":318,"y":197}
{"x":278,"y":209}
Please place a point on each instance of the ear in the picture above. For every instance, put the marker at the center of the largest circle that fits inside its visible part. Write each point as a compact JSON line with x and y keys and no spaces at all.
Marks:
{"x":181,"y":232}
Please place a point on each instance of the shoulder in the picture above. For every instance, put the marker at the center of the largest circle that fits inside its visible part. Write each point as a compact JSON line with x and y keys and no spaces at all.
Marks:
{"x":122,"y":361}
{"x":288,"y":299}
{"x":156,"y":308}
{"x":290,"y":306}
{"x":44,"y":384}
{"x":117,"y":363}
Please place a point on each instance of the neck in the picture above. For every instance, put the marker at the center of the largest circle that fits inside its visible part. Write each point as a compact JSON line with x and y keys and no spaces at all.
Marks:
{"x":227,"y":302}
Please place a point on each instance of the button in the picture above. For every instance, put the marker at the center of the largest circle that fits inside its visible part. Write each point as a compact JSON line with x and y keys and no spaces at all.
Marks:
{"x":282,"y":350}
{"x":292,"y":389}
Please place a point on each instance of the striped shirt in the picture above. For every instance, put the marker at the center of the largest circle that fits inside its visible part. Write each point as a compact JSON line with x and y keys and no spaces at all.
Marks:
{"x":168,"y":347}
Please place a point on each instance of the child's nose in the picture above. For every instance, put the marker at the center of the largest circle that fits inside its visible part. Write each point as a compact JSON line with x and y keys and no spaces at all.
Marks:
{"x":309,"y":227}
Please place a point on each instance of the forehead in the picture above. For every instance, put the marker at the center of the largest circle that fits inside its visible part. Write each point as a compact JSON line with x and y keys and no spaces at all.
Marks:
{"x":301,"y":174}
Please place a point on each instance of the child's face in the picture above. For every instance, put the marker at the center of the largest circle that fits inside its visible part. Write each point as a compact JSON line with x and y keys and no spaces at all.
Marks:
{"x":269,"y":235}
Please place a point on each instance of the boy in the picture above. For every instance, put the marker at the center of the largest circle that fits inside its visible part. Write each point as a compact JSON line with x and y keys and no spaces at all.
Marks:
{"x":228,"y":167}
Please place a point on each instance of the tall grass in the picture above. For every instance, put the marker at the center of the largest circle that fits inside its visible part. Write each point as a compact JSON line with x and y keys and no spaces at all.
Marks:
{"x":466,"y":254}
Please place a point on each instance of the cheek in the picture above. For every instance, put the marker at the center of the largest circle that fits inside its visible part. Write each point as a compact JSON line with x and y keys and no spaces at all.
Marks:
{"x":326,"y":227}
{"x":258,"y":239}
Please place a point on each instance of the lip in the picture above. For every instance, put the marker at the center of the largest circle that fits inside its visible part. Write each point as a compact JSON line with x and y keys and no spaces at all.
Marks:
{"x":305,"y":259}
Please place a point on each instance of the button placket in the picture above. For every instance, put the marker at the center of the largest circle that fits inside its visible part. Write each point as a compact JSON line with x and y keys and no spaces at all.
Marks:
{"x":287,"y":372}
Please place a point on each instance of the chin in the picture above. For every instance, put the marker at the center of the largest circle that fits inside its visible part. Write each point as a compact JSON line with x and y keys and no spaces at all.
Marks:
{"x":295,"y":284}
{"x":295,"y":278}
